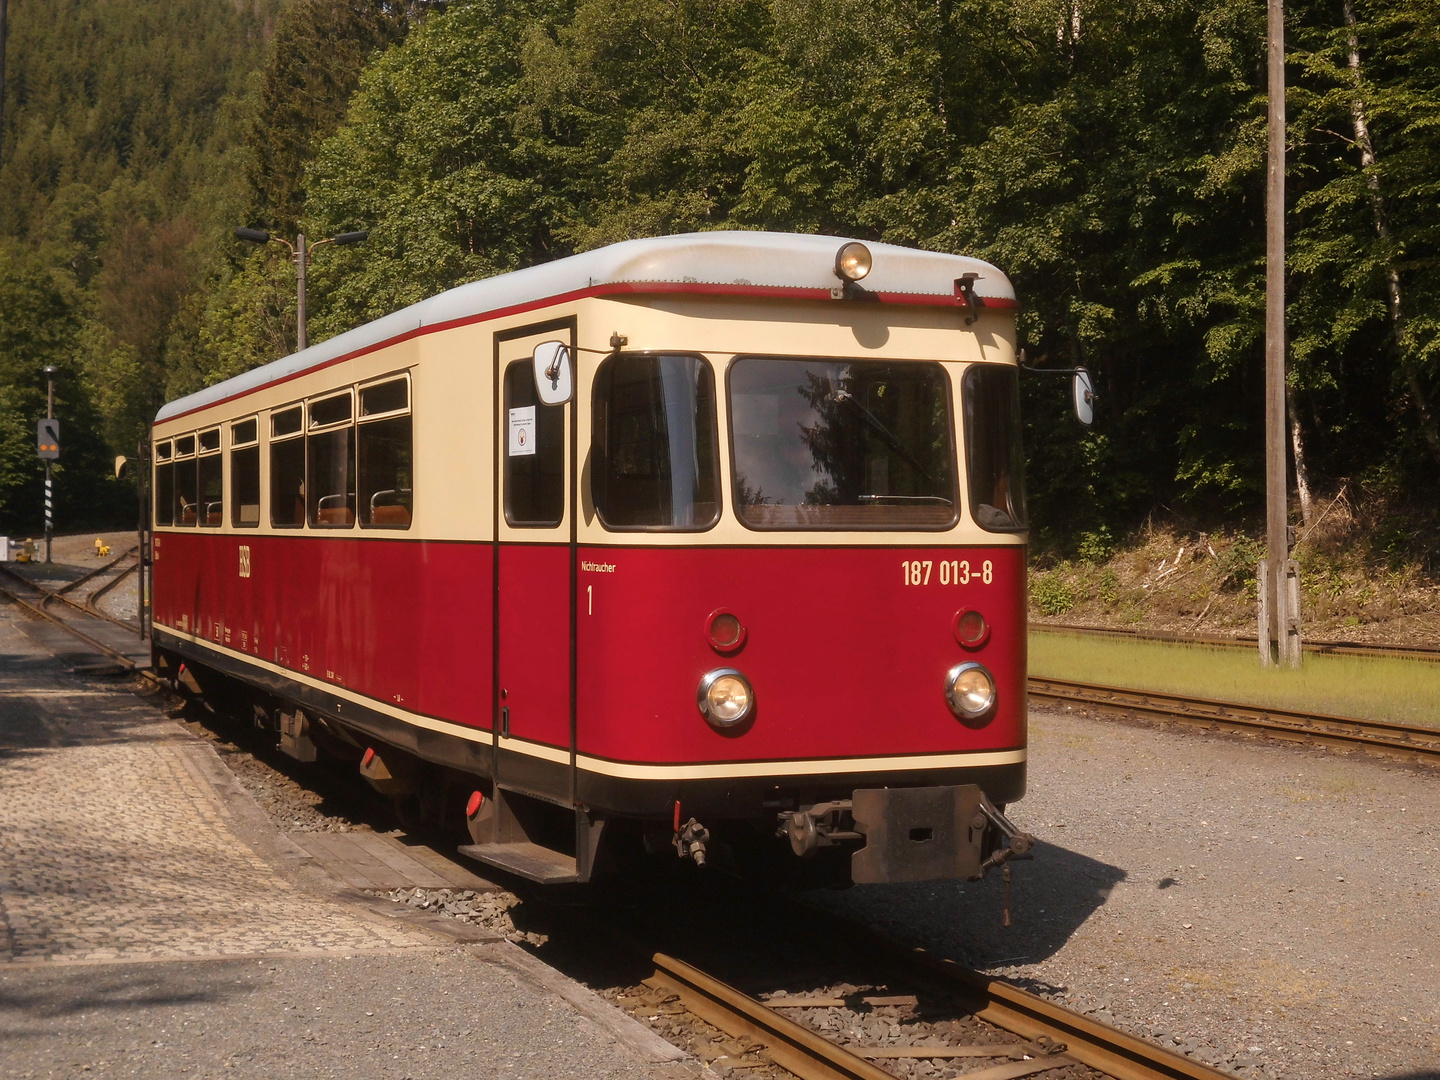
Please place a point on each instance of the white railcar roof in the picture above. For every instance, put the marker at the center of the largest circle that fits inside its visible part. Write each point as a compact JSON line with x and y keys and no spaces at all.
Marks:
{"x":798,"y":263}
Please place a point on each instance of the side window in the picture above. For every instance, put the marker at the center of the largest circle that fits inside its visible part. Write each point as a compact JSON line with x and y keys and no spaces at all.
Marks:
{"x":287,"y":469}
{"x":245,"y":474}
{"x":656,"y":464}
{"x":994,"y":457}
{"x":164,"y":491}
{"x":384,"y":438}
{"x":212,"y":479}
{"x":330,"y":466}
{"x":187,"y":494}
{"x":534,"y":452}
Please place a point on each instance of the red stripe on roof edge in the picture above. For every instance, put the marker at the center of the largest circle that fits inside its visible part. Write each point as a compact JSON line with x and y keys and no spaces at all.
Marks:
{"x":621,"y":288}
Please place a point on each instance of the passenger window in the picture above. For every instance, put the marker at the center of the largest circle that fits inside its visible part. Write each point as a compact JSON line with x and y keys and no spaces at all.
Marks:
{"x":330,"y":469}
{"x":384,"y":441}
{"x":656,"y":464}
{"x":187,"y":492}
{"x":164,"y":492}
{"x":212,"y":490}
{"x":245,"y":474}
{"x":287,"y":470}
{"x":534,"y":452}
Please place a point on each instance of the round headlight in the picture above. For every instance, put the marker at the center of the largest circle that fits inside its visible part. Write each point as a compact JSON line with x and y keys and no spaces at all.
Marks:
{"x":852,"y":261}
{"x":725,"y":698}
{"x":970,"y":693}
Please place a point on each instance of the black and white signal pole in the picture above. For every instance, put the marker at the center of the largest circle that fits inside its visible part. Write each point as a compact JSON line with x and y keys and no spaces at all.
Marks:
{"x":300,"y":255}
{"x":50,"y":373}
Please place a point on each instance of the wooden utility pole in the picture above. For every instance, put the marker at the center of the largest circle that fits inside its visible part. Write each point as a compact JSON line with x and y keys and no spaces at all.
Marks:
{"x":4,"y":11}
{"x":1279,"y":585}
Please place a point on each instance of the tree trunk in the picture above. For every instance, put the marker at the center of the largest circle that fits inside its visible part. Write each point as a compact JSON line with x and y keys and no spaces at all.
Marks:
{"x":1297,"y":448}
{"x":4,"y":5}
{"x":1382,"y":229}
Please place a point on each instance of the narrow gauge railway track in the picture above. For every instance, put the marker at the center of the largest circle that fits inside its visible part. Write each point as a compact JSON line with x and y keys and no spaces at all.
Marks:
{"x":92,"y":601}
{"x":1243,"y":641}
{"x":1408,"y":741}
{"x":1053,"y":1037}
{"x":36,"y":598}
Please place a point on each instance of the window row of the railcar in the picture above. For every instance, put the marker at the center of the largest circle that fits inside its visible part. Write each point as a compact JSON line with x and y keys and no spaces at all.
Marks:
{"x":337,"y":460}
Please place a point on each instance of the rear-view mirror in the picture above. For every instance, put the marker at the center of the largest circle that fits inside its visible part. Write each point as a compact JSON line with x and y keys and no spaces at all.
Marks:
{"x":554,"y":379}
{"x":1084,"y":397}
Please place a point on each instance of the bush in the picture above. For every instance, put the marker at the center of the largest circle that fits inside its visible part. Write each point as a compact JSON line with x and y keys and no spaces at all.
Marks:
{"x":1051,"y":595}
{"x":1096,"y":547}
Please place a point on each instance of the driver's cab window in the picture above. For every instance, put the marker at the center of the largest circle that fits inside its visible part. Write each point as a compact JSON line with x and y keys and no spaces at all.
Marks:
{"x":534,"y":453}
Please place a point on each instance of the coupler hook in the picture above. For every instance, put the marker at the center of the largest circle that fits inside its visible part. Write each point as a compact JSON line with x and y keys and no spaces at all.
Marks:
{"x":691,"y":839}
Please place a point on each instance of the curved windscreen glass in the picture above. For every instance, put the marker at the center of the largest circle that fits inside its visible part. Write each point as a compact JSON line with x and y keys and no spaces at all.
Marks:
{"x":994,"y":458}
{"x":842,"y":444}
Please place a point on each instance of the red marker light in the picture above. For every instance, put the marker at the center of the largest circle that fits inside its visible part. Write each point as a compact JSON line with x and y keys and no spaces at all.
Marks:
{"x":369,"y":757}
{"x":970,"y":629}
{"x":724,"y":631}
{"x":472,"y":807}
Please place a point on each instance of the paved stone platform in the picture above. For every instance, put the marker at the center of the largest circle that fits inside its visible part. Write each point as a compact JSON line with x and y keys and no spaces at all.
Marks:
{"x":153,"y":923}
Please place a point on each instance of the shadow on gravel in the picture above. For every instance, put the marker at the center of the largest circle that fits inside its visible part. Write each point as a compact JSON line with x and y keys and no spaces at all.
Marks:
{"x":1051,"y":896}
{"x":45,"y":994}
{"x":1421,"y":1074}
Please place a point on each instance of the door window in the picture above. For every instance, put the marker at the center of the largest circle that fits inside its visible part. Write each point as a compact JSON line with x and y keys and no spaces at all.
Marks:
{"x":534,"y":453}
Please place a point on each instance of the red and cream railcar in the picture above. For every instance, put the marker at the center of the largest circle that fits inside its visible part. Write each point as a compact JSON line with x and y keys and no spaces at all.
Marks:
{"x":677,"y":541}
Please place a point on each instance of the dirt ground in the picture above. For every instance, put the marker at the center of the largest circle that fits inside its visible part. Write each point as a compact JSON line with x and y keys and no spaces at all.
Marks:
{"x":1175,"y":581}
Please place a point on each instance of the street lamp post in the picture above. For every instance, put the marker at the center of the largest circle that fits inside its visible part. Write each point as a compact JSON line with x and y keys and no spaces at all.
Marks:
{"x":50,"y":373}
{"x":300,"y":255}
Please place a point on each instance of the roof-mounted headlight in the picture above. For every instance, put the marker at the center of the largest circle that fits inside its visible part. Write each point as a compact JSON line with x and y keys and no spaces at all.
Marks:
{"x":852,"y":261}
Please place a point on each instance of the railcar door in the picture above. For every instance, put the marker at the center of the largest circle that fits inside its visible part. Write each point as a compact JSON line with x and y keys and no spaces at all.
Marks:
{"x":534,"y":613}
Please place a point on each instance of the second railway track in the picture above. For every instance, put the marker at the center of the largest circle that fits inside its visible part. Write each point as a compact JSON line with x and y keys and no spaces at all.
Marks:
{"x":1408,"y":741}
{"x":98,"y":631}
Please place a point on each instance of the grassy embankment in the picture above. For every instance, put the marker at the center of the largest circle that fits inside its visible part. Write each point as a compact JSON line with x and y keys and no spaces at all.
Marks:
{"x":1405,"y":691}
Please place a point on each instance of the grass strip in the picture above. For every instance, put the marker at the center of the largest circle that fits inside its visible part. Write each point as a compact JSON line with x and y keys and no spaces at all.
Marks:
{"x":1368,"y":688}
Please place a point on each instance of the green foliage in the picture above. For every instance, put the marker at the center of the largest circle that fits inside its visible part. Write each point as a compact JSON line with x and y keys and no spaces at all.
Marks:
{"x":1108,"y":156}
{"x":1050,"y":595}
{"x":1096,"y":546}
{"x":318,"y":52}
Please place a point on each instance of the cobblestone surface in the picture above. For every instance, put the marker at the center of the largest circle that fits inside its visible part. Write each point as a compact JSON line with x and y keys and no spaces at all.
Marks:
{"x":154,"y":923}
{"x":114,"y":846}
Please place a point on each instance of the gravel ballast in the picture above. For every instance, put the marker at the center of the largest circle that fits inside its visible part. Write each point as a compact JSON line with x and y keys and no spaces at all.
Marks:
{"x":1268,"y":909}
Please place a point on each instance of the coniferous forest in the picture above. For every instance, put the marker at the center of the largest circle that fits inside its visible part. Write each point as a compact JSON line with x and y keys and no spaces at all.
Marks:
{"x":1109,"y":156}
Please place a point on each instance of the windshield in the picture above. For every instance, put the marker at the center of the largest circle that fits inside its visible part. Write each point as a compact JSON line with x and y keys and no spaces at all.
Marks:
{"x":842,"y":444}
{"x":656,"y":465}
{"x":994,"y":458}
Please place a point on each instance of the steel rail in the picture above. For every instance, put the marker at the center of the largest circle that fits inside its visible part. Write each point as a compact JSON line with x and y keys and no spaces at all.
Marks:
{"x":1243,"y":641}
{"x":83,"y":578}
{"x":93,"y":608}
{"x":1077,"y":1039}
{"x":1409,"y":741}
{"x":48,"y":595}
{"x":64,"y":624}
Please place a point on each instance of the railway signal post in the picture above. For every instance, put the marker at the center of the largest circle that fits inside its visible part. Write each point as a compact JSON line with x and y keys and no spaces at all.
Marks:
{"x":47,"y":448}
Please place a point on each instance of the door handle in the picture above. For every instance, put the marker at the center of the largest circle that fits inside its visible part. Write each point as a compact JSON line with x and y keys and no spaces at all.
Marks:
{"x":504,"y":721}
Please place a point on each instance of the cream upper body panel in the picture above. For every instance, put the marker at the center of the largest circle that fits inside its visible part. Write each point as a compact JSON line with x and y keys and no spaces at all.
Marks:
{"x":449,"y":347}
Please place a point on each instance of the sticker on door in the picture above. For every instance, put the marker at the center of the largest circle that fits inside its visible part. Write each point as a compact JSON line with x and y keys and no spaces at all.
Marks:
{"x":522,"y":431}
